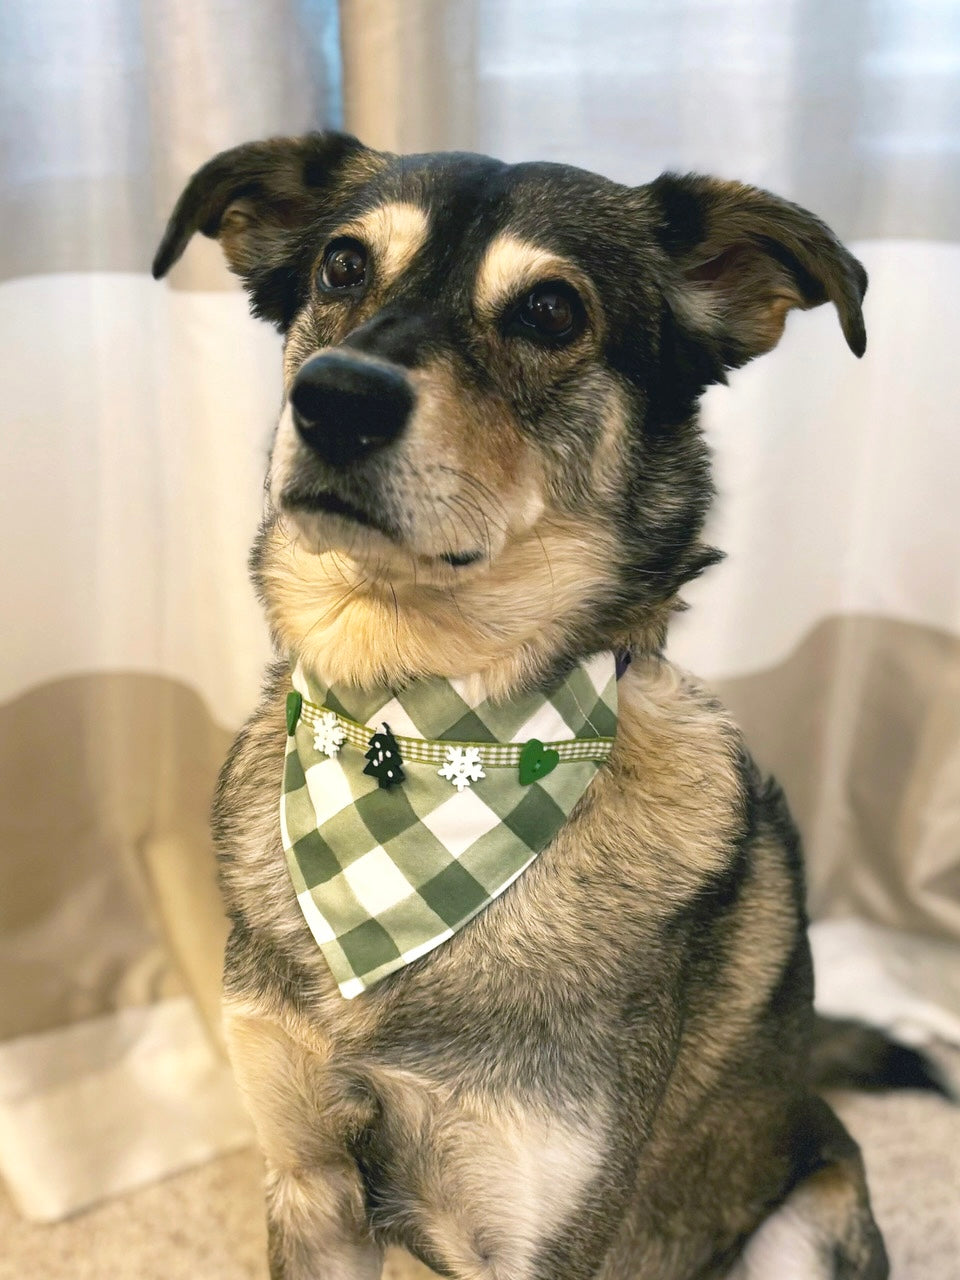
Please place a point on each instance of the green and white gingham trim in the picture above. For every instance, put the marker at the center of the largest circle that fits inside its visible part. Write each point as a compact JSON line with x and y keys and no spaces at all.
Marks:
{"x":385,"y":875}
{"x":493,"y":755}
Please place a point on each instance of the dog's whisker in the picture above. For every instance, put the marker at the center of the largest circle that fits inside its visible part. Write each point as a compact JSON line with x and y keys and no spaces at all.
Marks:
{"x":396,"y":612}
{"x":547,"y":562}
{"x":337,"y":604}
{"x":470,"y":514}
{"x":484,"y":491}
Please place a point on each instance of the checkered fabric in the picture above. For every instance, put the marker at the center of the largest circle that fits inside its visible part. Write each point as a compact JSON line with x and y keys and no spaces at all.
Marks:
{"x":384,"y":875}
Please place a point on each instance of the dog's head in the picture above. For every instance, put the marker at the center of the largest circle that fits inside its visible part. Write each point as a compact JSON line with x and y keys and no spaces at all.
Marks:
{"x":488,"y":452}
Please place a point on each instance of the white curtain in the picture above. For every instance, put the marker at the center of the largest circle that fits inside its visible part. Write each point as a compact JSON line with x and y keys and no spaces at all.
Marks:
{"x":136,"y":422}
{"x":137,"y":418}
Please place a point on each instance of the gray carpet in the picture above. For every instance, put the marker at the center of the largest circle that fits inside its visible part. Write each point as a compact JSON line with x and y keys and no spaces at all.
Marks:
{"x":207,"y":1224}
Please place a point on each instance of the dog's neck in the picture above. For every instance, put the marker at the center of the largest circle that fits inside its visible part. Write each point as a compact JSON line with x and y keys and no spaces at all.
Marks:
{"x":510,"y":627}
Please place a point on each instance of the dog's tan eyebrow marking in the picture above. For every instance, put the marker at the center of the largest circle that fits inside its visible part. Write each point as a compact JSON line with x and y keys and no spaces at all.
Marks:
{"x":394,"y":233}
{"x":511,"y":265}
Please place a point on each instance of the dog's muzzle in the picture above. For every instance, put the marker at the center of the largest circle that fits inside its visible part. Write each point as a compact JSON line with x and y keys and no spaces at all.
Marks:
{"x":345,"y":409}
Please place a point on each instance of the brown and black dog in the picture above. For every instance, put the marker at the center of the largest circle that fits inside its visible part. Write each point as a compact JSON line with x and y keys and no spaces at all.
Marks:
{"x":489,"y":462}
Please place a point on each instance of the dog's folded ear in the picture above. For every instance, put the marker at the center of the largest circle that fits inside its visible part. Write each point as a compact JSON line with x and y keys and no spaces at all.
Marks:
{"x":745,"y":259}
{"x":256,"y":199}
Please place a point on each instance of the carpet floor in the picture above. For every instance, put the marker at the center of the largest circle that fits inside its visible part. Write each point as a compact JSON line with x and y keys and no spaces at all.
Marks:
{"x":207,"y":1224}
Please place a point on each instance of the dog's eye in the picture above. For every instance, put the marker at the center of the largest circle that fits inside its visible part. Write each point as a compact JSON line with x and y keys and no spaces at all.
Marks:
{"x":344,"y":265}
{"x":552,"y":312}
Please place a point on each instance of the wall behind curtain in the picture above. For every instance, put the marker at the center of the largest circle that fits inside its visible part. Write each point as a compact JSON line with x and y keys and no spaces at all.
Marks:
{"x":136,"y":422}
{"x":833,"y":628}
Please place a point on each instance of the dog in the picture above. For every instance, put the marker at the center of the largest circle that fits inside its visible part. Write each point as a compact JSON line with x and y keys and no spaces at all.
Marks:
{"x":487,"y":469}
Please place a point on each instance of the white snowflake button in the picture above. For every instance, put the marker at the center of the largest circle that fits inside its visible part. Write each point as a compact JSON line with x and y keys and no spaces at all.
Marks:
{"x":462,"y":766}
{"x":328,"y":734}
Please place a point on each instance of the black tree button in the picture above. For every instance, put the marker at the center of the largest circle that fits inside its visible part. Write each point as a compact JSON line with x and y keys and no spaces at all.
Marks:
{"x":384,"y":759}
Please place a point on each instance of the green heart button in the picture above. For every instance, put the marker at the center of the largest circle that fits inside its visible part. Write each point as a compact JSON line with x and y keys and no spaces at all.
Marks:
{"x":536,"y":761}
{"x":294,"y":707}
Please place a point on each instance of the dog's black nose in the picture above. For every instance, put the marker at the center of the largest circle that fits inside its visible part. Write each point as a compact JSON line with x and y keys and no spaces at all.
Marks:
{"x":345,"y":408}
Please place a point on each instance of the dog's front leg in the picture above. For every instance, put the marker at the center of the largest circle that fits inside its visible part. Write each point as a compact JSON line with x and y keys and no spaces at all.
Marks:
{"x":313,"y":1229}
{"x":316,"y":1217}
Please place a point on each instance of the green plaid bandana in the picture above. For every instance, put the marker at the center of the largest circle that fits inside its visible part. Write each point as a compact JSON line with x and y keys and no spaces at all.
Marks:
{"x":385,"y":873}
